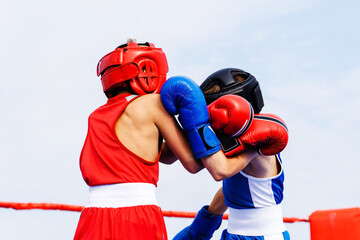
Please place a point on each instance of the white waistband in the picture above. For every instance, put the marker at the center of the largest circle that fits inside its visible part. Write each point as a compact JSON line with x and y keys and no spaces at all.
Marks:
{"x":122,"y":195}
{"x":256,"y":221}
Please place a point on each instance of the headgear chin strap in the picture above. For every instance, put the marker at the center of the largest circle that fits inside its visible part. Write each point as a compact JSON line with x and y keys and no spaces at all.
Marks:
{"x":143,"y":65}
{"x":226,"y":80}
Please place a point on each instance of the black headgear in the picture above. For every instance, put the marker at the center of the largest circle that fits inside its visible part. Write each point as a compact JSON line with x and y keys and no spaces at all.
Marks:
{"x":226,"y":79}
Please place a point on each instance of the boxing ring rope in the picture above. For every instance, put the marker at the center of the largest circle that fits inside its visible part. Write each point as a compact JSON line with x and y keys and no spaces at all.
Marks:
{"x":43,"y":206}
{"x":339,"y":224}
{"x":181,"y":214}
{"x":75,"y":208}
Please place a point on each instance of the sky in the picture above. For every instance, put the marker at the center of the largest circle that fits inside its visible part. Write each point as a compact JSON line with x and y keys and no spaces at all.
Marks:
{"x":305,"y":55}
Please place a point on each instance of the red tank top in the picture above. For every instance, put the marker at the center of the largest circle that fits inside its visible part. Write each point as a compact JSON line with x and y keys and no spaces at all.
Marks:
{"x":104,"y":159}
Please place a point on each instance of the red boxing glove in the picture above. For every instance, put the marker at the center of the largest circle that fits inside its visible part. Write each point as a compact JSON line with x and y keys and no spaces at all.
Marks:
{"x":231,"y":115}
{"x":268,"y":133}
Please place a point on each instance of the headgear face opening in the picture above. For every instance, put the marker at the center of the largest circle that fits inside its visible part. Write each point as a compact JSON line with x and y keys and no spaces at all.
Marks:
{"x":227,"y":81}
{"x":143,"y":65}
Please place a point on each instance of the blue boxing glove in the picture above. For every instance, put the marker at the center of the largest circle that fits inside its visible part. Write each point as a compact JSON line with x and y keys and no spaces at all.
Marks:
{"x":202,"y":228}
{"x":181,"y":95}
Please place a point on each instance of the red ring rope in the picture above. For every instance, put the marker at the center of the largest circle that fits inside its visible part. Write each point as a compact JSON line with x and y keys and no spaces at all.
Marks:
{"x":75,"y":208}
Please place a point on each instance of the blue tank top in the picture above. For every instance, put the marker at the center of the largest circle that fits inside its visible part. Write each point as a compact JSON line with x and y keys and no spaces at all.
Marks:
{"x":243,"y":191}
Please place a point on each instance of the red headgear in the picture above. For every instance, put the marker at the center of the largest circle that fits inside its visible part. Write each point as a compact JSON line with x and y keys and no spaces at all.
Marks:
{"x":143,"y":65}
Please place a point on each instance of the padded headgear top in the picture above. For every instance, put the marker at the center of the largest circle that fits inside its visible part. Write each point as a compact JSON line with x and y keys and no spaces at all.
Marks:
{"x":226,"y":80}
{"x":143,"y":65}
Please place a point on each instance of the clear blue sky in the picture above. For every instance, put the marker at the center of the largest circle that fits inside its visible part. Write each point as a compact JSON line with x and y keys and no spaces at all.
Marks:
{"x":305,"y":55}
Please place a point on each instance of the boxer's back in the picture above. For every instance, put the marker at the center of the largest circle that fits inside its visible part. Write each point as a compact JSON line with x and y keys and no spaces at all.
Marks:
{"x":136,"y":127}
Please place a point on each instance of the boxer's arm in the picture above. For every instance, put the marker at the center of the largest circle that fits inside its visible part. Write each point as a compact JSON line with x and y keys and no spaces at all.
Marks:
{"x":167,"y":156}
{"x":221,"y":167}
{"x":175,"y":139}
{"x":217,"y":205}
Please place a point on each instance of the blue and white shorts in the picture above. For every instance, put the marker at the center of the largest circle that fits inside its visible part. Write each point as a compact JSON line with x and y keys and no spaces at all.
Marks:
{"x":281,"y":236}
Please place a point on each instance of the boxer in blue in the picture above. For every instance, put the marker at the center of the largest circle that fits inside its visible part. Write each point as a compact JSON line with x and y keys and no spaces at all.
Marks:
{"x":254,"y":193}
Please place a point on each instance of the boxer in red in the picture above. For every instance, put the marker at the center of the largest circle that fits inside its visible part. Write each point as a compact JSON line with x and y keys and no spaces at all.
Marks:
{"x":127,"y":138}
{"x":121,"y":154}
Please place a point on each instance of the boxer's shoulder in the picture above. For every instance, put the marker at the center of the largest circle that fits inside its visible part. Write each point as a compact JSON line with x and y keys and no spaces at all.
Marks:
{"x":145,"y":103}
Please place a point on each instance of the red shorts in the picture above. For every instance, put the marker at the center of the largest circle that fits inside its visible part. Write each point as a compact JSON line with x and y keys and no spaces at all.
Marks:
{"x":144,"y":222}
